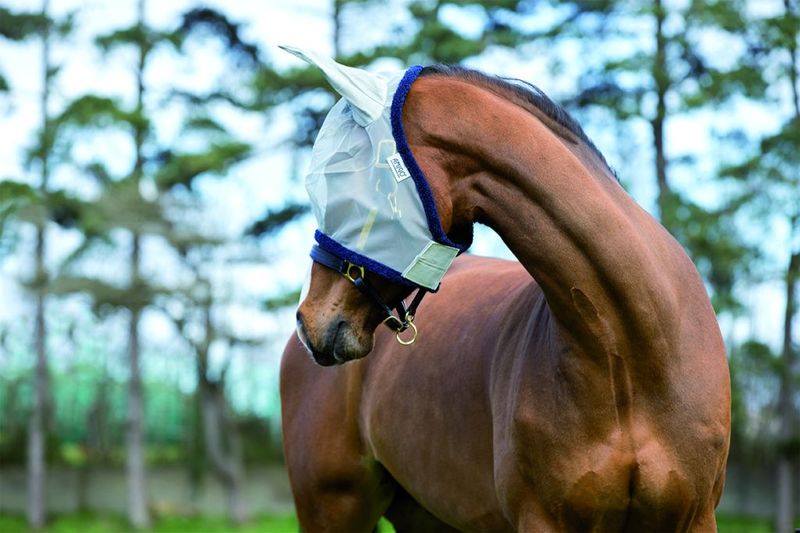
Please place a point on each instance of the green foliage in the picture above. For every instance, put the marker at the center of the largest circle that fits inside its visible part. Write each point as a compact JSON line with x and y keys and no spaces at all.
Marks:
{"x":715,"y":243}
{"x":275,"y":219}
{"x":105,"y":296}
{"x":261,"y":444}
{"x":272,"y":88}
{"x":64,"y":208}
{"x":779,"y":33}
{"x":87,"y":112}
{"x":438,"y":42}
{"x":729,"y":15}
{"x":282,"y":301}
{"x":15,"y":408}
{"x":135,"y":35}
{"x":16,"y":26}
{"x":182,"y":168}
{"x":20,"y":202}
{"x":15,"y":196}
{"x":89,"y":418}
{"x":773,"y":168}
{"x":98,"y":112}
{"x":203,"y":124}
{"x":121,"y":205}
{"x":204,"y":19}
{"x":757,"y":358}
{"x":619,"y":83}
{"x":755,"y":375}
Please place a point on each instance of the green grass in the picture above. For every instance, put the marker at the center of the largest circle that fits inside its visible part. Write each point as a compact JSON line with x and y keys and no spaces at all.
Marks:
{"x":739,"y":524}
{"x":91,"y":523}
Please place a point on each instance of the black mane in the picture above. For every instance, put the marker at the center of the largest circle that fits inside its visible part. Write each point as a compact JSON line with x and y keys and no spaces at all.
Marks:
{"x":523,"y":90}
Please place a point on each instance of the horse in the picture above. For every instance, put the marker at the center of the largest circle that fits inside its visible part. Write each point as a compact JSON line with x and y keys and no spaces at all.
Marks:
{"x":583,"y":387}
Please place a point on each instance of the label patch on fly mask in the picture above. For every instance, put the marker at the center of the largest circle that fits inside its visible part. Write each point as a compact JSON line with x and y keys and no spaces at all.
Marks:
{"x":397,"y":167}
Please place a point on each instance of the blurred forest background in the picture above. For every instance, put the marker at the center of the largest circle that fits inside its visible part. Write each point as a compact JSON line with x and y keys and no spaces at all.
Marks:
{"x":154,"y":229}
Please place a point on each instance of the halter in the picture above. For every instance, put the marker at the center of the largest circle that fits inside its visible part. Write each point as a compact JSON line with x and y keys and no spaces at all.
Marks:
{"x":399,"y":323}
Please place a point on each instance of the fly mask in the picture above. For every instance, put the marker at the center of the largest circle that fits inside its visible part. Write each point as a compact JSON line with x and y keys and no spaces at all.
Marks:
{"x":374,"y":209}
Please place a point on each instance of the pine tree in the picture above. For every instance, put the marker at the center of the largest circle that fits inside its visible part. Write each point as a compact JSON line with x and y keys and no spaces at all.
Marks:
{"x":17,"y":196}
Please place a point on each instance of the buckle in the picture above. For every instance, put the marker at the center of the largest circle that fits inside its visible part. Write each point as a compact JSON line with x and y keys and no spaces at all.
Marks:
{"x":347,"y":266}
{"x":395,"y":324}
{"x":399,"y":326}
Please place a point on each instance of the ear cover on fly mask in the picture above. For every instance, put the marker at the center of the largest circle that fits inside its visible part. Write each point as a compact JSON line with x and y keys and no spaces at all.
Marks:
{"x":371,"y":200}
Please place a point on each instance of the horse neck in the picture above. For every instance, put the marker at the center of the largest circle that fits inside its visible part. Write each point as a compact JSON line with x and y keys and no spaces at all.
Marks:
{"x":609,"y":272}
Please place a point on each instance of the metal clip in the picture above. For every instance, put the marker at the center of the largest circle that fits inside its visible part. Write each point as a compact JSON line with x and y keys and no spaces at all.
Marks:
{"x":409,"y":325}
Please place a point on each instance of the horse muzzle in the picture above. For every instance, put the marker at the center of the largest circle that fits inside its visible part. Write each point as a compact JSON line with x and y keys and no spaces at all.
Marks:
{"x":336,"y":345}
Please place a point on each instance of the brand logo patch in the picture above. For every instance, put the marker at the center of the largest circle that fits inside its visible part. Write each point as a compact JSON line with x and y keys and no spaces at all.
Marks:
{"x":397,"y":167}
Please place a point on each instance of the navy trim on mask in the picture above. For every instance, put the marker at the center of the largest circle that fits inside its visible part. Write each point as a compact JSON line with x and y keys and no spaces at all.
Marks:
{"x":423,"y":189}
{"x":330,"y":245}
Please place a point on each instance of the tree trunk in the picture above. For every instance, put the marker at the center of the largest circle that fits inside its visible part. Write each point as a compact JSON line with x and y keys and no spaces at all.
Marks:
{"x":662,"y":82}
{"x":196,"y":447}
{"x":138,"y":514}
{"x":789,"y":9}
{"x":784,"y":507}
{"x":222,"y":444}
{"x":37,"y":426}
{"x":337,"y":28}
{"x":223,"y":449}
{"x":237,"y":508}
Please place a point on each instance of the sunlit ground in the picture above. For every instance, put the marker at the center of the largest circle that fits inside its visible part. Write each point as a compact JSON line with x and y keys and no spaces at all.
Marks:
{"x":265,"y":524}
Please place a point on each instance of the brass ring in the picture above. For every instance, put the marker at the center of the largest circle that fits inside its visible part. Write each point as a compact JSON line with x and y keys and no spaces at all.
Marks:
{"x":410,"y":341}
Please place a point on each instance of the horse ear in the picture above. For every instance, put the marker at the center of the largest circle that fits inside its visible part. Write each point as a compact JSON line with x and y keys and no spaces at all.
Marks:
{"x":365,"y":91}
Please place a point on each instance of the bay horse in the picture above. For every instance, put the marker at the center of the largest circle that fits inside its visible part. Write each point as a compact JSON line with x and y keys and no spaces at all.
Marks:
{"x":583,"y":388}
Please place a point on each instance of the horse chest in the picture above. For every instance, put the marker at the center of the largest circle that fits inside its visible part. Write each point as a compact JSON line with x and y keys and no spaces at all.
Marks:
{"x":567,"y":466}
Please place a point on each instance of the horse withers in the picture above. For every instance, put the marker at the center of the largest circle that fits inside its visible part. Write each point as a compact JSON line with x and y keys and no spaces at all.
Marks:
{"x":583,"y":388}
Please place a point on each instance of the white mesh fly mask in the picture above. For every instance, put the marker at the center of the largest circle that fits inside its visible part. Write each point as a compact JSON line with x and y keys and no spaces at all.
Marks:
{"x":371,"y":200}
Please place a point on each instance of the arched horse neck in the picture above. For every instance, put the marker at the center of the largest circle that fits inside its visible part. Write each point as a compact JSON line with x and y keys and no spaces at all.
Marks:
{"x":532,"y":99}
{"x":610,"y":274}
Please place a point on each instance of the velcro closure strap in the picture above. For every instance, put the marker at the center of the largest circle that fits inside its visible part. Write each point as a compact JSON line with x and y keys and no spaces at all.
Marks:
{"x":430,"y":265}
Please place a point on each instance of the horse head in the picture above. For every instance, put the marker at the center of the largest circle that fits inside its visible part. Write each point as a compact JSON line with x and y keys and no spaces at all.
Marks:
{"x":335,"y":321}
{"x":381,"y":236}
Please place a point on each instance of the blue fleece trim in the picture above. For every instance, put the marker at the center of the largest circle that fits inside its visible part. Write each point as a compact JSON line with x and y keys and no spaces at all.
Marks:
{"x":330,"y":245}
{"x":424,"y":191}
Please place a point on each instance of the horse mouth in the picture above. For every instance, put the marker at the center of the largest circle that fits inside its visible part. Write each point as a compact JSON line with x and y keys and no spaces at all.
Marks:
{"x":323,"y":359}
{"x":319,"y":357}
{"x":345,"y":343}
{"x":339,"y":344}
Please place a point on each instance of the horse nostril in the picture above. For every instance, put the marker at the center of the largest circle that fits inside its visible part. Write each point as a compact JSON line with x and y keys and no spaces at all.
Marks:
{"x":301,"y":333}
{"x":319,"y":357}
